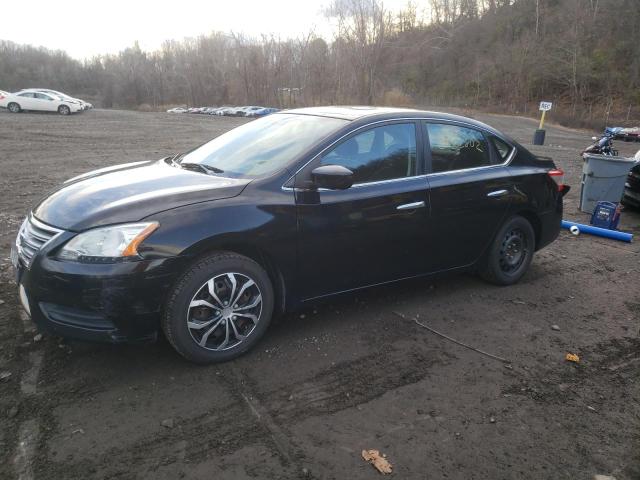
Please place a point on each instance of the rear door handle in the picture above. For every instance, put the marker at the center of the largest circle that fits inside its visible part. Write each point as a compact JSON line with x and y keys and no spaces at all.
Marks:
{"x":411,"y":206}
{"x":497,"y":193}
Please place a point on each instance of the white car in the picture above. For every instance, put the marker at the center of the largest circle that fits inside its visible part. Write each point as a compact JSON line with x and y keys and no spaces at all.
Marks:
{"x":64,"y":96}
{"x":16,"y":102}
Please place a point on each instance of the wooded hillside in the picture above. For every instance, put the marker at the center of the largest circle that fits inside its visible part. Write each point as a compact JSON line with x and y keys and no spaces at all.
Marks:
{"x":505,"y":55}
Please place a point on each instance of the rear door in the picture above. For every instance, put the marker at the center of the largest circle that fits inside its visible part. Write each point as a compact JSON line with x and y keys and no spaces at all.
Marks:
{"x":27,"y":101}
{"x":376,"y":230}
{"x":470,"y":191}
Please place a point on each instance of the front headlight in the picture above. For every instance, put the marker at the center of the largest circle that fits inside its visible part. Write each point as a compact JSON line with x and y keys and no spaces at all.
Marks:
{"x":108,"y":244}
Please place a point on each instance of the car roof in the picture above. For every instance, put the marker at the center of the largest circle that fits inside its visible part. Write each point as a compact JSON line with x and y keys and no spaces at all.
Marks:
{"x":36,"y":90}
{"x":42,"y":90}
{"x":355,"y":113}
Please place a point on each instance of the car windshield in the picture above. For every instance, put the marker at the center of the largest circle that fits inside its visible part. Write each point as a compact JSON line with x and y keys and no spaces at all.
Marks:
{"x":262,"y":146}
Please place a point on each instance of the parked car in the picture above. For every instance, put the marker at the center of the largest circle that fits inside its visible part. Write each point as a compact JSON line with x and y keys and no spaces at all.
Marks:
{"x":277,"y":213}
{"x":225,"y":111}
{"x":38,"y":101}
{"x":631,"y":195}
{"x":64,"y":96}
{"x":257,"y":111}
{"x":84,"y":104}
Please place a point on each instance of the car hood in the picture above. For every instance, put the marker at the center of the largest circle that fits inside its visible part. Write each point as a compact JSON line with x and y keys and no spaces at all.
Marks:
{"x":129,"y":193}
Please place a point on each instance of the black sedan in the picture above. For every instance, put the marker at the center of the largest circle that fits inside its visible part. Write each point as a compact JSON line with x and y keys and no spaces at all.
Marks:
{"x":631,"y":195}
{"x":300,"y":205}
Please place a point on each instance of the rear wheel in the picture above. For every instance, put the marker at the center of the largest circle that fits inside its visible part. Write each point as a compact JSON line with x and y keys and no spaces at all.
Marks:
{"x":219,"y":308}
{"x":64,"y":110}
{"x":510,"y":253}
{"x":14,"y":107}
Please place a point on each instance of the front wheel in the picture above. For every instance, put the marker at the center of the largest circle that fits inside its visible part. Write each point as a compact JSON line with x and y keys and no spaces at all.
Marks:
{"x":64,"y":110}
{"x":219,"y":308}
{"x":510,"y":253}
{"x":14,"y":107}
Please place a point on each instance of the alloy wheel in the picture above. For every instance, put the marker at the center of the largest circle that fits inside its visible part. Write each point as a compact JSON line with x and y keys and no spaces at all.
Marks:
{"x":224,"y":311}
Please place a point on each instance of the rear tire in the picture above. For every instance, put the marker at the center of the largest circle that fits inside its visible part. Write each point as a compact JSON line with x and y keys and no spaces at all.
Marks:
{"x":510,"y":254}
{"x":64,"y":110}
{"x":13,"y":107}
{"x":219,"y":308}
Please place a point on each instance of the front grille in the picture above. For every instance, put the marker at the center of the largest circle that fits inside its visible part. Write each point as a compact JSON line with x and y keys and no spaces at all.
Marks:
{"x":33,"y":235}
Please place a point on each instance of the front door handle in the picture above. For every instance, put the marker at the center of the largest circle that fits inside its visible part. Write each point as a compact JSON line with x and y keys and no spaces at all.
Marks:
{"x":411,"y":206}
{"x":497,"y":193}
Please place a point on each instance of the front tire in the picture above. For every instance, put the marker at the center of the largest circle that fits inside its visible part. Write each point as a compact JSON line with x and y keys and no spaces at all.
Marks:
{"x":13,"y":107}
{"x":64,"y":110}
{"x":510,"y":253}
{"x":219,"y":308}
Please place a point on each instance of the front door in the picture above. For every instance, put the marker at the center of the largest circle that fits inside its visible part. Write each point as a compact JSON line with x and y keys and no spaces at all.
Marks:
{"x":376,"y":230}
{"x":45,"y":102}
{"x":470,"y":192}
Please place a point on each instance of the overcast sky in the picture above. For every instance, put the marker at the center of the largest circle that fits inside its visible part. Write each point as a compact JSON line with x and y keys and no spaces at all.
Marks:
{"x":85,"y":28}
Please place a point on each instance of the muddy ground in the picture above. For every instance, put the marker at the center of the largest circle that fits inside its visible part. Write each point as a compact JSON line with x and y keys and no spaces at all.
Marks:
{"x":338,"y":377}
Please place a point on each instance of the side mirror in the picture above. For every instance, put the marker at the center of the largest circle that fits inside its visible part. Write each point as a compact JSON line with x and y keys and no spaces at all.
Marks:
{"x":332,"y":177}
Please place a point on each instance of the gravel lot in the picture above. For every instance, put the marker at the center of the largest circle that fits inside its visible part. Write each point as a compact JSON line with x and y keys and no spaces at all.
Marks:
{"x":338,"y":377}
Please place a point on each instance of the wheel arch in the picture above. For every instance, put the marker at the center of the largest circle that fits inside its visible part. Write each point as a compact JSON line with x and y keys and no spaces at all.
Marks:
{"x":533,"y":218}
{"x":258,"y":255}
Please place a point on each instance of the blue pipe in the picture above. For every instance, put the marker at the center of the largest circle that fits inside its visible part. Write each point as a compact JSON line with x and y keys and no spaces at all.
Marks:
{"x":599,"y":232}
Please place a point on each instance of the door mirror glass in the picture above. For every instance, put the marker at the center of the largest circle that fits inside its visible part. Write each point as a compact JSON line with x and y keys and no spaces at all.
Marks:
{"x":332,"y":177}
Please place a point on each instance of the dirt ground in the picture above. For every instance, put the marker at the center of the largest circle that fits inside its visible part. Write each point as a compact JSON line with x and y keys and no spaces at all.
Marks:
{"x":338,"y":377}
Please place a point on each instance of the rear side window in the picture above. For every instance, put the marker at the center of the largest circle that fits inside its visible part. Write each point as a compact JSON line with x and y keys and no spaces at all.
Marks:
{"x":381,"y":153}
{"x":457,"y":148}
{"x":502,"y":147}
{"x":26,"y":94}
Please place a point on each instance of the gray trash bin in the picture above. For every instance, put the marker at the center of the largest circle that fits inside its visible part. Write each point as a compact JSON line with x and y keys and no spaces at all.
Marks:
{"x":603,"y":178}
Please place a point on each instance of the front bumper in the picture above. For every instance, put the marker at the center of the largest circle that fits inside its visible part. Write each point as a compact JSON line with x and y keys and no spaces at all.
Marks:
{"x":114,"y":303}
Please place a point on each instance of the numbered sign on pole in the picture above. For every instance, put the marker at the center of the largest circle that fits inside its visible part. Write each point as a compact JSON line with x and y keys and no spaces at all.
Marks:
{"x":545,"y":106}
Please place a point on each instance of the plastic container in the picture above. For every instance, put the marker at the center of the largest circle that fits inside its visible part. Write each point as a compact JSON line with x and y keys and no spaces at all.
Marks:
{"x":603,"y":178}
{"x":538,"y":137}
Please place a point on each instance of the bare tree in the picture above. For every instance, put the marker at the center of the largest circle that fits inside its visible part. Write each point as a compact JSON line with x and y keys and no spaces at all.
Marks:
{"x":500,"y":54}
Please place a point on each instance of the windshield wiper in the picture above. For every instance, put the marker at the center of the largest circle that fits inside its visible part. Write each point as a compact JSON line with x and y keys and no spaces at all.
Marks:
{"x":201,"y":167}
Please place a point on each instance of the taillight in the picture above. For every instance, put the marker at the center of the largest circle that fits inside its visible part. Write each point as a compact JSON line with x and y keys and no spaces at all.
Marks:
{"x":1,"y":96}
{"x":557,"y":175}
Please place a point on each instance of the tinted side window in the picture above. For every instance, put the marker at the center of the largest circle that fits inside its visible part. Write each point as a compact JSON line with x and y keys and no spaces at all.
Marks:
{"x":502,"y":147}
{"x":26,"y":94}
{"x":457,"y":148}
{"x":381,"y":153}
{"x":42,"y":96}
